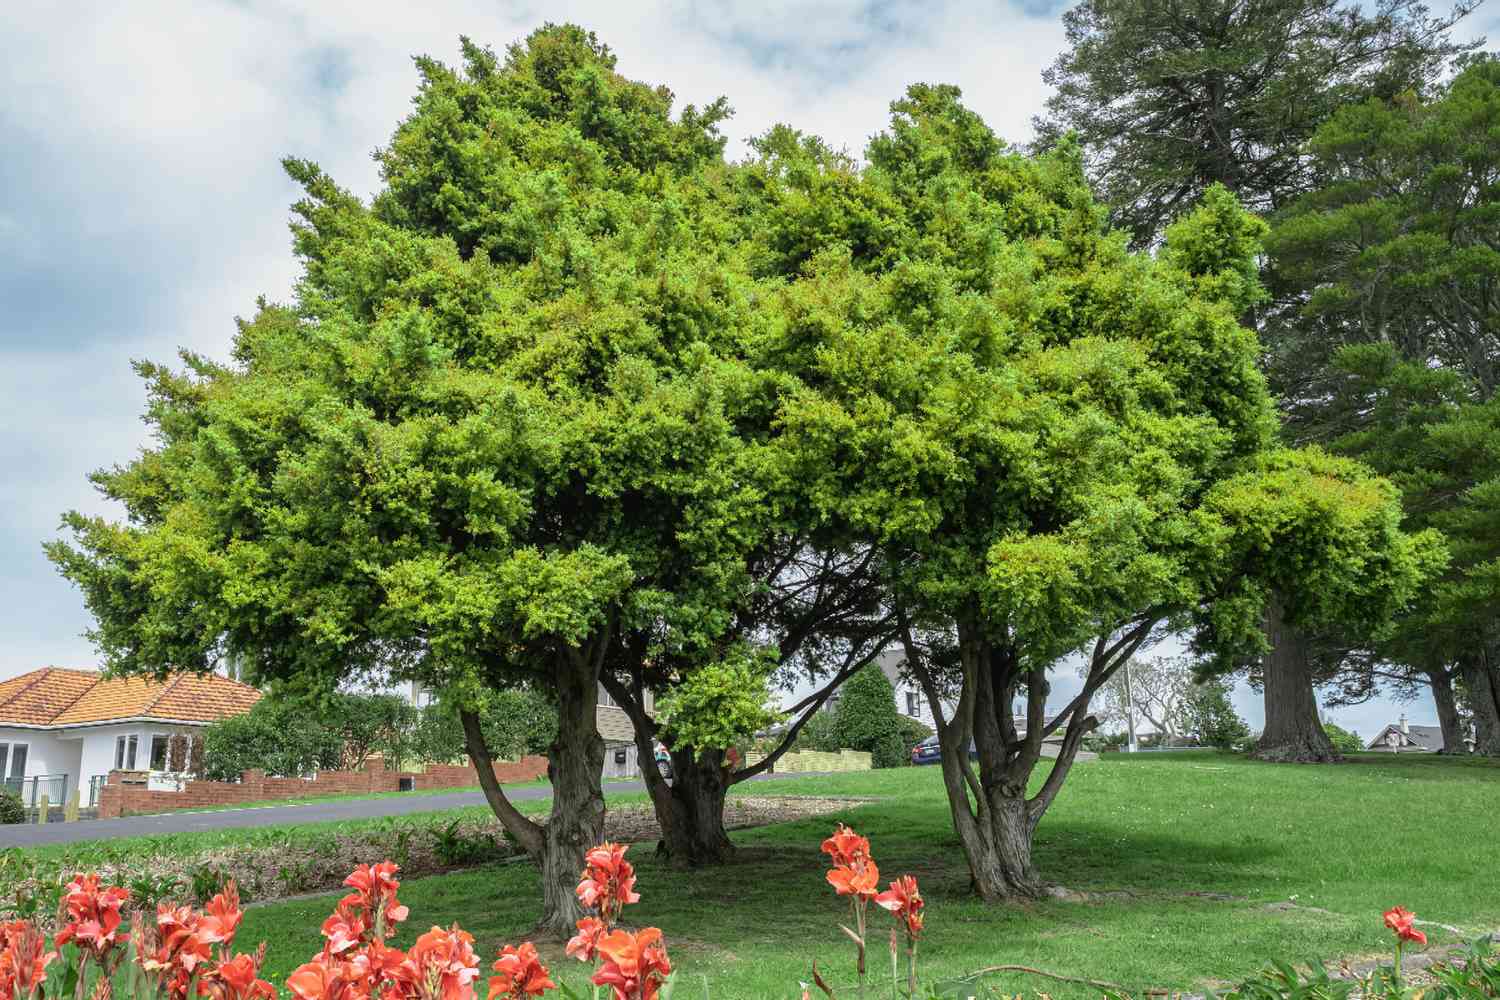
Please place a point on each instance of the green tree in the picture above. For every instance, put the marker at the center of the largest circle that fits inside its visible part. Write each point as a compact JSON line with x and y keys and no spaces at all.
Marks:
{"x":1170,"y":99}
{"x":367,"y":723}
{"x":515,"y":722}
{"x":1393,"y":358}
{"x":1057,"y":445}
{"x":1211,"y":718}
{"x":866,"y":718}
{"x":506,"y":418}
{"x":1342,"y":739}
{"x":279,"y":737}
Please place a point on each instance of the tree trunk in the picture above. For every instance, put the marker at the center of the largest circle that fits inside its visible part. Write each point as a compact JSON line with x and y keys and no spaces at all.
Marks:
{"x":1482,"y":685}
{"x":575,"y":766}
{"x":1293,"y":732}
{"x":692,"y":822}
{"x":1447,"y":711}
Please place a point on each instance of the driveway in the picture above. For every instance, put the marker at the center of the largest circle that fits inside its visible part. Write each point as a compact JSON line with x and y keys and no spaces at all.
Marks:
{"x":317,"y":812}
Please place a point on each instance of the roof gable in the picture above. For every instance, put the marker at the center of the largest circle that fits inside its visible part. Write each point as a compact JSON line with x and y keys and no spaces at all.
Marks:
{"x":54,"y":697}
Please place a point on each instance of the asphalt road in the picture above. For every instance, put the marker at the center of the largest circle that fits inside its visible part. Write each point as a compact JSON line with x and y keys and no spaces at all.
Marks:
{"x":318,"y":812}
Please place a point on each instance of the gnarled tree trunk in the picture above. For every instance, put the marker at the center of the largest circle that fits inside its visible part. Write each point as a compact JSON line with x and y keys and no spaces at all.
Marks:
{"x":992,"y":814}
{"x":1447,"y":711}
{"x":1293,"y":732}
{"x":575,"y":766}
{"x":1482,"y":686}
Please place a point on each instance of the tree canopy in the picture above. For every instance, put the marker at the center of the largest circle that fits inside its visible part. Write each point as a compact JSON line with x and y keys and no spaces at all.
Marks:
{"x":1169,"y":99}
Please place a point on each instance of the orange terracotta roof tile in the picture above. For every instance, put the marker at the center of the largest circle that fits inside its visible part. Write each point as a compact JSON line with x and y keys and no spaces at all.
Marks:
{"x":57,"y":697}
{"x":35,"y":699}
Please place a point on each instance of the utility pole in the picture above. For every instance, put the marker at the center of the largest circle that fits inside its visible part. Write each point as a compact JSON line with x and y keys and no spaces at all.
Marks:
{"x":1130,"y":746}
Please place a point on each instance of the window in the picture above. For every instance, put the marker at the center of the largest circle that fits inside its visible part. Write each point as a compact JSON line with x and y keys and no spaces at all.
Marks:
{"x":605,"y":701}
{"x":125,"y":752}
{"x":913,"y":704}
{"x":159,"y":745}
{"x":18,"y":760}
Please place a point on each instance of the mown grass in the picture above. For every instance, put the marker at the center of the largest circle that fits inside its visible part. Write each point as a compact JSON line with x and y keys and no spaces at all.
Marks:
{"x":1198,"y":867}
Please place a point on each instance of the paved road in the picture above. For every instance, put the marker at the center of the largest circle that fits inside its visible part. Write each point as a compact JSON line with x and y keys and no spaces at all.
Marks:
{"x":317,"y":812}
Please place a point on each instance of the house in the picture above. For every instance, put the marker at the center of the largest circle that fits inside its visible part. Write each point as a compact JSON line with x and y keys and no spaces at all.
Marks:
{"x":62,"y":730}
{"x":1402,"y":737}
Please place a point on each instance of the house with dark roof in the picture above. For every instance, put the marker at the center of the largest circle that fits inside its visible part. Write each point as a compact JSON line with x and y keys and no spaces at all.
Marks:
{"x":1402,"y":737}
{"x":64,"y":729}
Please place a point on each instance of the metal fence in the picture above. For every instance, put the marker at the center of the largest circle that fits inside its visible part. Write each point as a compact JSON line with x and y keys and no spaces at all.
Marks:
{"x":31,"y":790}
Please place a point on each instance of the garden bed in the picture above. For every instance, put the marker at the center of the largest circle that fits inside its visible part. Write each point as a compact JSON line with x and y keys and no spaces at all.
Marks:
{"x":300,"y":862}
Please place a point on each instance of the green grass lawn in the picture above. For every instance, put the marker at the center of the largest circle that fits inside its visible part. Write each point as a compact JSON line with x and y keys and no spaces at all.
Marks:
{"x":1192,"y":858}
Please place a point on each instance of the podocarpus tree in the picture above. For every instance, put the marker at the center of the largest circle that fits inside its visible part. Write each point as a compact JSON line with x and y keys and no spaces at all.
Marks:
{"x":504,"y":409}
{"x":1046,"y":436}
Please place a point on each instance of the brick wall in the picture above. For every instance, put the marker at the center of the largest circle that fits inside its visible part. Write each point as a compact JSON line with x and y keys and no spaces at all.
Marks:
{"x":126,"y":794}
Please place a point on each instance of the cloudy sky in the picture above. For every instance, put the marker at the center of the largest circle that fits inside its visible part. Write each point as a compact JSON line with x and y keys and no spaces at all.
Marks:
{"x":142,"y":205}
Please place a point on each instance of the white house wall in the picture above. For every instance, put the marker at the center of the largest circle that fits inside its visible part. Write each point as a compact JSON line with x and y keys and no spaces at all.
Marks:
{"x":99,"y":747}
{"x":45,"y":753}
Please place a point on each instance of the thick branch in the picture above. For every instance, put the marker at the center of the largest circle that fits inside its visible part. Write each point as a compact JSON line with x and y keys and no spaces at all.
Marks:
{"x":527,"y":833}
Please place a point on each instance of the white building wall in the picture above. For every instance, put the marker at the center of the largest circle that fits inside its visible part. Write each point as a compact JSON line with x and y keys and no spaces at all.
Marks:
{"x":98,"y":756}
{"x":45,"y":752}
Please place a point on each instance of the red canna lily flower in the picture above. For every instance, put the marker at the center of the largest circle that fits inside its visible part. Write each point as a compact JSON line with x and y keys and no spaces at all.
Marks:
{"x":221,"y":917}
{"x":608,"y":881}
{"x":521,"y":974}
{"x":23,"y":959}
{"x":905,"y":902}
{"x":92,"y":916}
{"x":585,"y":943}
{"x":327,"y":980}
{"x":375,"y":891}
{"x":846,"y":847}
{"x":236,"y":979}
{"x":1402,"y":922}
{"x":446,"y":964}
{"x":634,"y":965}
{"x":860,"y":879}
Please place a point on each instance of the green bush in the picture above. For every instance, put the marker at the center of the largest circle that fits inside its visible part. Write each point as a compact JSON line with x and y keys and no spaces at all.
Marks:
{"x":866,"y":718}
{"x":821,"y":733}
{"x":1342,"y":739}
{"x":516,"y":722}
{"x":913,"y":731}
{"x":11,"y":809}
{"x":1211,"y":717}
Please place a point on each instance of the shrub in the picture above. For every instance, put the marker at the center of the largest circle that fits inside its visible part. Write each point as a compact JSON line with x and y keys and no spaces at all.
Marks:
{"x":913,"y":731}
{"x":1210,"y":716}
{"x":1342,"y":739}
{"x":516,"y":722}
{"x":866,"y":718}
{"x":11,"y":809}
{"x":820,"y":733}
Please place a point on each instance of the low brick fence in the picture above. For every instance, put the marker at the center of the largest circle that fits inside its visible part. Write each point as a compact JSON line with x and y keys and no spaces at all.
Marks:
{"x":126,"y":793}
{"x":814,"y":760}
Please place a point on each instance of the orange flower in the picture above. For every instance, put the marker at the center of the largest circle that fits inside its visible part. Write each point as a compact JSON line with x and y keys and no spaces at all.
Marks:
{"x":446,"y":964}
{"x":221,"y":917}
{"x":521,"y":974}
{"x":346,"y":927}
{"x":183,"y":945}
{"x":846,"y":847}
{"x":585,"y":943}
{"x":608,"y":881}
{"x":903,"y":900}
{"x":860,"y":879}
{"x":92,"y":916}
{"x":327,"y":980}
{"x":23,"y":959}
{"x":375,"y":890}
{"x":236,"y":979}
{"x":1402,"y":922}
{"x":634,"y":965}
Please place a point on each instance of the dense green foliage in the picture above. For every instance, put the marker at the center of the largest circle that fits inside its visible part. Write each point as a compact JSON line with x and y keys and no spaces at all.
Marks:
{"x":1210,"y":718}
{"x":299,"y":735}
{"x":1170,"y":99}
{"x":11,"y":809}
{"x":516,"y":722}
{"x":1342,"y":739}
{"x":866,"y":719}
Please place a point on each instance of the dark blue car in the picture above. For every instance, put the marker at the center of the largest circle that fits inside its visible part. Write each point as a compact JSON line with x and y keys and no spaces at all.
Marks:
{"x":929,"y":752}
